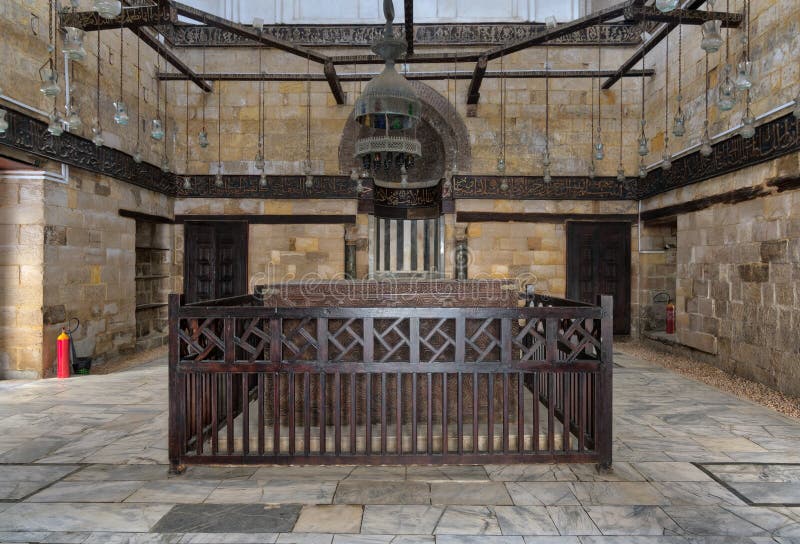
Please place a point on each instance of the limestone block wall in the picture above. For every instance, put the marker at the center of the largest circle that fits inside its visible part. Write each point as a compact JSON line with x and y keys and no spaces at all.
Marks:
{"x":22,"y":239}
{"x":738,"y":276}
{"x":90,"y":264}
{"x":277,"y":252}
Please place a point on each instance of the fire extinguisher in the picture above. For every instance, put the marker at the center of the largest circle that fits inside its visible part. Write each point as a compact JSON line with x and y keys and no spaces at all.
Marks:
{"x":670,"y":311}
{"x":63,"y":343}
{"x":65,"y":350}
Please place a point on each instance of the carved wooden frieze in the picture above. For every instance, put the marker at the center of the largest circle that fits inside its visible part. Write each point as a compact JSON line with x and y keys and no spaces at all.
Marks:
{"x":772,"y":140}
{"x":245,"y":186}
{"x":619,"y":34}
{"x":159,"y":14}
{"x":534,"y":188}
{"x":30,"y":135}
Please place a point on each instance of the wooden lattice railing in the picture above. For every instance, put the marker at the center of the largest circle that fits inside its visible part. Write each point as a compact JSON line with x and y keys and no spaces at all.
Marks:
{"x":250,"y":383}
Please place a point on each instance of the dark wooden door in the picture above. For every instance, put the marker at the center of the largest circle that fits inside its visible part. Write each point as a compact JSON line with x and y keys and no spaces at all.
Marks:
{"x":215,"y":260}
{"x":599,"y":263}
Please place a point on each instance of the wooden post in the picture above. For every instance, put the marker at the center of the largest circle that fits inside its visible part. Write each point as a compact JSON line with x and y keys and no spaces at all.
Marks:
{"x":604,"y":394}
{"x":177,"y":417}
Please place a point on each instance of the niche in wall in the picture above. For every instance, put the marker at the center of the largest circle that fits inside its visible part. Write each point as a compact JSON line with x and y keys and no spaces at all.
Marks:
{"x":658,"y":252}
{"x":153,"y":253}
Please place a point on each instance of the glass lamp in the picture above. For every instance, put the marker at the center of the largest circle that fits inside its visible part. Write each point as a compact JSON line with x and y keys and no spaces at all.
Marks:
{"x":165,"y":165}
{"x":219,"y":181}
{"x":108,"y":9}
{"x":310,"y":176}
{"x":259,"y":162}
{"x":56,"y":126}
{"x":666,"y":5}
{"x":121,"y":113}
{"x":137,"y":155}
{"x":748,"y":129}
{"x":726,"y":91}
{"x":73,"y":43}
{"x":666,"y":157}
{"x":262,"y":180}
{"x":501,"y":165}
{"x":187,"y":183}
{"x":679,"y":124}
{"x":642,"y":170}
{"x":3,"y":122}
{"x":97,"y":135}
{"x":621,"y":173}
{"x":744,"y":75}
{"x":73,"y":119}
{"x":156,"y":130}
{"x":49,"y":86}
{"x":599,"y":152}
{"x":712,"y":40}
{"x":705,"y":145}
{"x":202,"y":139}
{"x":504,"y":185}
{"x":592,"y":170}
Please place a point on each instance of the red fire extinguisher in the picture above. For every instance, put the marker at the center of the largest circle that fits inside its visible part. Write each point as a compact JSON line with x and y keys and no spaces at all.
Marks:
{"x":63,"y":343}
{"x":665,"y":297}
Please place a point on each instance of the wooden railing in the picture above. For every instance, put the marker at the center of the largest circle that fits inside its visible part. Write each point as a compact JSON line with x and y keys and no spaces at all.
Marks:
{"x":255,"y":384}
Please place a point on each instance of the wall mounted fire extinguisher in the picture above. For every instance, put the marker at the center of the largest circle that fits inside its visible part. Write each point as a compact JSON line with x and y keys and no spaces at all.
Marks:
{"x":660,"y":297}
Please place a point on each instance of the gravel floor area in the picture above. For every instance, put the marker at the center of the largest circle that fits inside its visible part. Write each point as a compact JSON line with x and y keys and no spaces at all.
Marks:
{"x":711,"y":375}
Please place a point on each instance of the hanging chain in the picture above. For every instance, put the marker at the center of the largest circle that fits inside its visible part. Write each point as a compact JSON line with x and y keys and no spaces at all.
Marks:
{"x":680,"y":62}
{"x":51,"y":44}
{"x":308,"y":112}
{"x":706,"y":93}
{"x":599,"y":108}
{"x":621,"y":112}
{"x":666,"y":93}
{"x":727,"y":32}
{"x":455,"y":104}
{"x":97,"y":94}
{"x":121,"y":48}
{"x":158,"y":87}
{"x":260,"y":100}
{"x":187,"y":125}
{"x":166,"y":117}
{"x":502,"y":109}
{"x":547,"y":99}
{"x":138,"y":90}
{"x":204,"y":94}
{"x":219,"y":126}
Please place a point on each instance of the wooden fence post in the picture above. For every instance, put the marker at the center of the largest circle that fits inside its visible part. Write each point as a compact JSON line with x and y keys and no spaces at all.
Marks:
{"x":605,"y":383}
{"x":177,"y":400}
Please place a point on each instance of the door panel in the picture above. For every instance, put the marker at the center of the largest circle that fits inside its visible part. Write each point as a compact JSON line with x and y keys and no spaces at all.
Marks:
{"x":215,"y":260}
{"x":599,"y":263}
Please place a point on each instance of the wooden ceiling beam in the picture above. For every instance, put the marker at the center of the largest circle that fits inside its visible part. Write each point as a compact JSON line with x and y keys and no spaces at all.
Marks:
{"x":334,"y":82}
{"x":248,"y":32}
{"x":474,"y":92}
{"x":683,"y":16}
{"x":409,"y":26}
{"x":660,"y":33}
{"x":154,"y":43}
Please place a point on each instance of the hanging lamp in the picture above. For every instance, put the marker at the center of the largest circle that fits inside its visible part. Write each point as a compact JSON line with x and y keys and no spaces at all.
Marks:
{"x":165,"y":158}
{"x":260,"y":164}
{"x":97,"y":128}
{"x":620,"y":167}
{"x":599,"y":152}
{"x":156,"y":128}
{"x":137,"y":151}
{"x":108,"y":9}
{"x":202,"y":137}
{"x":666,"y":6}
{"x":705,"y":142}
{"x":712,"y":40}
{"x":501,"y":159}
{"x":309,"y":183}
{"x":644,"y":149}
{"x":744,"y":73}
{"x":679,"y":122}
{"x":666,"y":156}
{"x":726,"y":90}
{"x":120,"y":109}
{"x":748,"y":129}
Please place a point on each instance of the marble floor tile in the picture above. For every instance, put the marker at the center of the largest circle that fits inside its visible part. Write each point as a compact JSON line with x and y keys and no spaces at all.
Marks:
{"x":728,"y":444}
{"x":373,"y":473}
{"x":115,"y":491}
{"x":199,"y":472}
{"x":228,"y":538}
{"x":488,"y":493}
{"x":236,"y":491}
{"x":23,"y":536}
{"x":174,"y":491}
{"x":82,"y":517}
{"x":697,"y":493}
{"x":620,"y":472}
{"x":525,"y":520}
{"x":295,"y":473}
{"x":618,"y":494}
{"x":302,"y":492}
{"x":632,"y":520}
{"x":67,"y":537}
{"x":776,"y":521}
{"x":228,"y":518}
{"x":551,"y":539}
{"x":572,"y":520}
{"x":468,"y":520}
{"x":671,"y":472}
{"x":304,"y":538}
{"x":400,"y":519}
{"x":99,"y":473}
{"x":362,"y":539}
{"x":468,"y":539}
{"x":133,"y":538}
{"x":712,"y":520}
{"x":542,"y":493}
{"x":530,"y":473}
{"x":329,"y":518}
{"x":756,"y":473}
{"x":381,"y":492}
{"x":33,"y":450}
{"x":445,"y":473}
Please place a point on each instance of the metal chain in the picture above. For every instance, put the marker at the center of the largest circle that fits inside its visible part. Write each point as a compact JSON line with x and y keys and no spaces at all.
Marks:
{"x":187,"y":125}
{"x":219,"y":125}
{"x":97,"y":94}
{"x":308,"y":112}
{"x":138,"y":90}
{"x":666,"y":93}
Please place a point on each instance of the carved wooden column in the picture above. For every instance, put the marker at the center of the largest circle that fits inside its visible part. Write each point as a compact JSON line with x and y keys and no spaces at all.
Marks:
{"x":461,"y":254}
{"x":350,"y":242}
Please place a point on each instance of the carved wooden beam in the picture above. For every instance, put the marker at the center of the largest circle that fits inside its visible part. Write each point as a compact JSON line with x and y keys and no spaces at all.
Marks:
{"x":549,"y":34}
{"x":171,"y":58}
{"x":683,"y":16}
{"x":131,"y":17}
{"x":333,"y":81}
{"x":418,"y":76}
{"x":474,"y":92}
{"x":248,"y":32}
{"x":660,"y":33}
{"x":409,"y":27}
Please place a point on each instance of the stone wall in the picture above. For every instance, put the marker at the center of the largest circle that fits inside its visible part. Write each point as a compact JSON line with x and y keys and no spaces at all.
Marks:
{"x":22,"y":239}
{"x":738,"y":276}
{"x":277,"y":252}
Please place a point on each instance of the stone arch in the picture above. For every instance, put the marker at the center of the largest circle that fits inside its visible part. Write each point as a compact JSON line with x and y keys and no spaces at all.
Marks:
{"x":439,"y":115}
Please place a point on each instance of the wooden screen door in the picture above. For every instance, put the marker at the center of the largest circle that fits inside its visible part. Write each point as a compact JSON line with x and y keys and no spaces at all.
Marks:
{"x":215,"y":260}
{"x":599,"y":263}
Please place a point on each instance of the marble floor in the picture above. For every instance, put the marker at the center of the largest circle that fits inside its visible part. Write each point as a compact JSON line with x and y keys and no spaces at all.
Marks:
{"x":84,"y":461}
